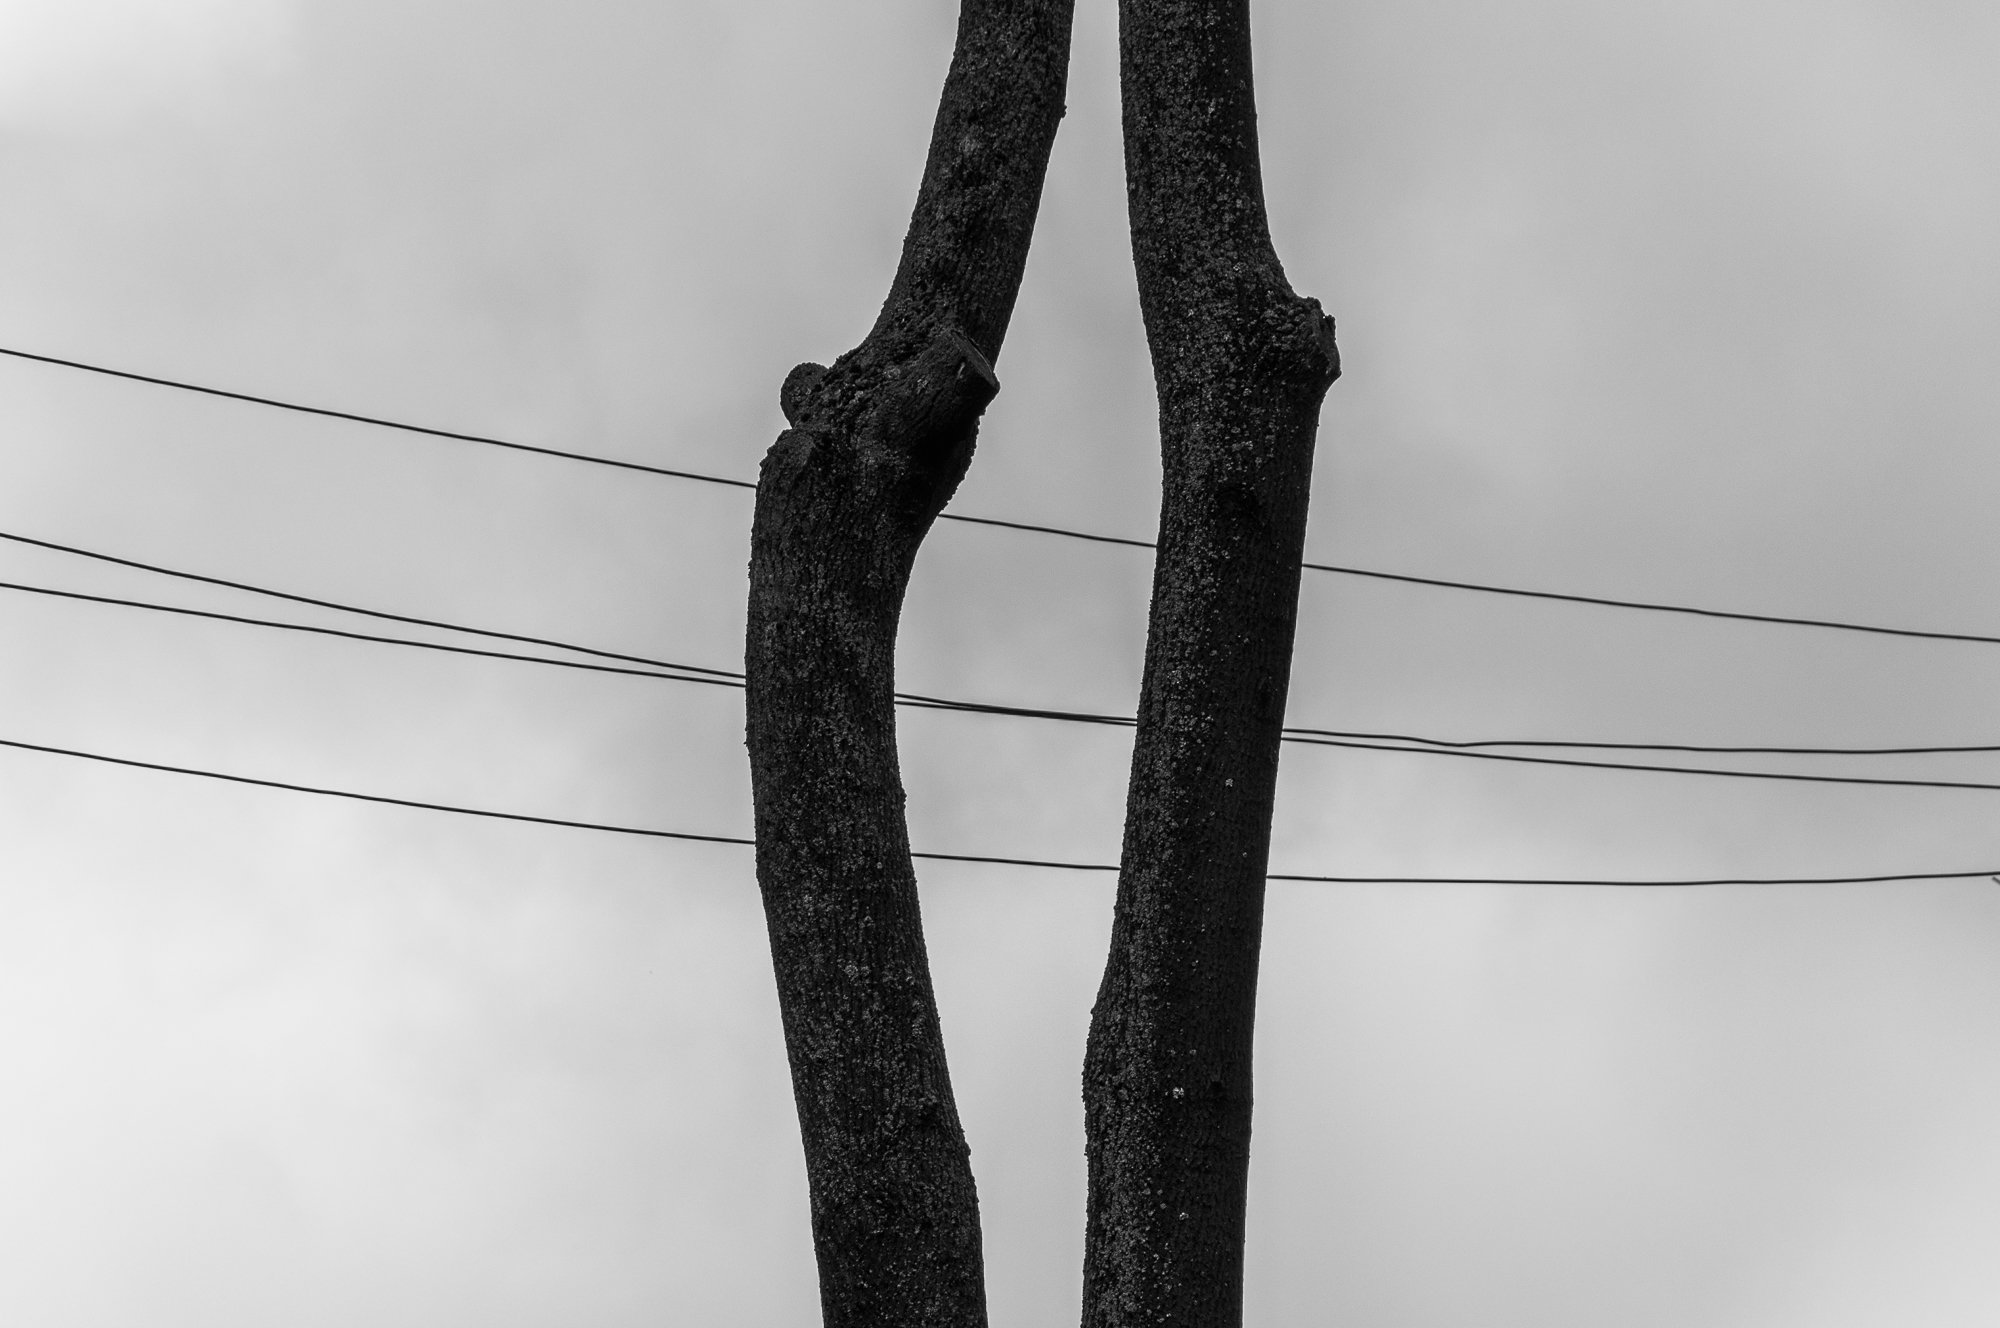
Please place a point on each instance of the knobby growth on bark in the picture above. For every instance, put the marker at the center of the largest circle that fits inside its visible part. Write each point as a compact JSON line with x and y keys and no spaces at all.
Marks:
{"x":878,"y":441}
{"x":1240,"y":365}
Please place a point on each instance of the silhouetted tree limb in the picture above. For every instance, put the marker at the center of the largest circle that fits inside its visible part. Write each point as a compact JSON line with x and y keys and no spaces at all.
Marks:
{"x":877,"y":443}
{"x":1240,"y":364}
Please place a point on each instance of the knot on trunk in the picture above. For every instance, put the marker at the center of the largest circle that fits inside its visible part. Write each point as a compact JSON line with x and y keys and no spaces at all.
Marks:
{"x":878,"y":441}
{"x":796,"y":393}
{"x":938,"y":392}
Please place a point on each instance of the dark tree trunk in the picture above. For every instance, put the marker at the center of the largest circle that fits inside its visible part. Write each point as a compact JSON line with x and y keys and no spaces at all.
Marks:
{"x":877,"y":444}
{"x":1240,"y":364}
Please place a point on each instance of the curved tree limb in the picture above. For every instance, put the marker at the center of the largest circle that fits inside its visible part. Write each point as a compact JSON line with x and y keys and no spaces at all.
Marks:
{"x":877,"y":443}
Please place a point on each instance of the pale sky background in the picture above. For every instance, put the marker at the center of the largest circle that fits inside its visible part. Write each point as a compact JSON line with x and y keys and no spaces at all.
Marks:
{"x":1695,"y":303}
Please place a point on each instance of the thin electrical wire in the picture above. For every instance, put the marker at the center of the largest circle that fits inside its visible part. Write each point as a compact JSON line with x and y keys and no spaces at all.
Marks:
{"x":1641,"y":883}
{"x":374,"y":420}
{"x":696,"y":673}
{"x":1719,"y":749}
{"x":656,"y":669}
{"x":1712,"y":772}
{"x":1654,"y":606}
{"x":1310,"y":736}
{"x":1478,"y":587}
{"x":1047,"y":530}
{"x":336,"y":605}
{"x":457,"y":809}
{"x":367,"y":636}
{"x":700,"y":674}
{"x":351,"y":795}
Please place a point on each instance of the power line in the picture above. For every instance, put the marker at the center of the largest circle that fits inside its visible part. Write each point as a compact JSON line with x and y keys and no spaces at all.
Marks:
{"x":1062,"y":531}
{"x":336,"y":605}
{"x":376,"y":421}
{"x":696,"y":673}
{"x":1719,"y":749}
{"x":1479,"y":587}
{"x":1711,"y":771}
{"x":1653,"y":606}
{"x":367,"y":636}
{"x":291,"y":787}
{"x":1362,"y":741}
{"x":1042,"y":863}
{"x":458,"y":809}
{"x":1642,"y":884}
{"x":688,"y":672}
{"x":655,"y":667}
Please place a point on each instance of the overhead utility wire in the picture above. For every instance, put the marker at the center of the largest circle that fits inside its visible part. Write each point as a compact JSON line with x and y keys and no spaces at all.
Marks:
{"x":1654,"y":606}
{"x":730,"y":677}
{"x":694,"y":672}
{"x":369,"y":636}
{"x":290,"y":787}
{"x":1363,"y":741}
{"x":649,"y":832}
{"x":460,"y":810}
{"x":386,"y":616}
{"x":1719,"y":749}
{"x":1711,"y":771}
{"x":374,"y":420}
{"x":1480,"y":587}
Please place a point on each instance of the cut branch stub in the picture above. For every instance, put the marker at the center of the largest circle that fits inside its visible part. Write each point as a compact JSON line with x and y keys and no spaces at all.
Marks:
{"x":897,"y":433}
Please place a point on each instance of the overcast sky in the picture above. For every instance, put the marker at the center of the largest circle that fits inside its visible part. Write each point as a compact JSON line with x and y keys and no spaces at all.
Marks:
{"x":1694,"y":303}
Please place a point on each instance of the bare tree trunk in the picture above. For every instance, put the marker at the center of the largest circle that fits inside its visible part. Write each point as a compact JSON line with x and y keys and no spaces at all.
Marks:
{"x":1240,"y":364}
{"x":877,"y":445}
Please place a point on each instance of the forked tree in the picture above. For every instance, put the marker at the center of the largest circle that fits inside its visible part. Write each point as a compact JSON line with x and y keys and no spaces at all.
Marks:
{"x":877,"y":444}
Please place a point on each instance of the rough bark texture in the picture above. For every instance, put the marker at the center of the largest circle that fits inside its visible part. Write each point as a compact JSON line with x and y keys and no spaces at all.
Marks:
{"x":1240,"y":364}
{"x":877,"y":443}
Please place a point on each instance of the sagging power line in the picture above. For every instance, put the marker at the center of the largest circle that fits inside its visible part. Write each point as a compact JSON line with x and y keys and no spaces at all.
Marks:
{"x":1041,"y":863}
{"x":1322,"y":737}
{"x":336,"y":605}
{"x":1444,"y":583}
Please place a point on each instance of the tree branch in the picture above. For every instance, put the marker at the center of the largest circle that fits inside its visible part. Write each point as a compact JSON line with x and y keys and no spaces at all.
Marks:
{"x":878,"y":442}
{"x":1240,"y":364}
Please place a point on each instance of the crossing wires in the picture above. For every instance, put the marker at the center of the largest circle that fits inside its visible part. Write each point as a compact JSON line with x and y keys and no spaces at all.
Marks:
{"x":1062,"y":532}
{"x":600,"y":660}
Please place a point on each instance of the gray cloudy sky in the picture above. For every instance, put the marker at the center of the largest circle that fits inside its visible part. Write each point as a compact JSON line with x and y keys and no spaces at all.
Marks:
{"x":1694,"y":303}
